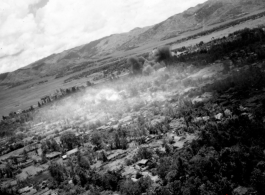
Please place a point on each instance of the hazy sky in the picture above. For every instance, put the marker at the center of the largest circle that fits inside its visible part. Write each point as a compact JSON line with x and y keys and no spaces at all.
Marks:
{"x":33,"y":29}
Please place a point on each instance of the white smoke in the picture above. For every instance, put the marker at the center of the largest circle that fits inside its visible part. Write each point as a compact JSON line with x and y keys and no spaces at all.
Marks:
{"x":105,"y":101}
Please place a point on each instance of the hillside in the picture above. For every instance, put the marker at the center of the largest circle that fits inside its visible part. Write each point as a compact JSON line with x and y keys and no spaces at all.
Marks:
{"x":3,"y":76}
{"x":206,"y":14}
{"x":211,"y":12}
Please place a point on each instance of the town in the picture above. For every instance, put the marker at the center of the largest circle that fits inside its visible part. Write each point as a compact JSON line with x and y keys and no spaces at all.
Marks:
{"x":102,"y":133}
{"x":169,"y":109}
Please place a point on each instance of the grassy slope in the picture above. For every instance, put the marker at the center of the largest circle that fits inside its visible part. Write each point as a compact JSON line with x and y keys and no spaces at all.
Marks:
{"x":25,"y":98}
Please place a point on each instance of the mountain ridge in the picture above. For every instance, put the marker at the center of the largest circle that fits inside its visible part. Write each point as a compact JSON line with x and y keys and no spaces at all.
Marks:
{"x":208,"y":13}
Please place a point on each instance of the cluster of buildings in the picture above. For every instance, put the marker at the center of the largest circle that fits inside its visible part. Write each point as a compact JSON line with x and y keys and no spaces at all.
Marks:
{"x":27,"y":163}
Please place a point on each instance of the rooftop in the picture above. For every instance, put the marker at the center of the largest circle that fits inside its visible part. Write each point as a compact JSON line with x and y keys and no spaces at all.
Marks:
{"x":73,"y":151}
{"x":53,"y":154}
{"x":142,"y":162}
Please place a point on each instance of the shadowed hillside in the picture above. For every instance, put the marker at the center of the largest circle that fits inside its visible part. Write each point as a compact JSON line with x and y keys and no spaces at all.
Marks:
{"x":3,"y":76}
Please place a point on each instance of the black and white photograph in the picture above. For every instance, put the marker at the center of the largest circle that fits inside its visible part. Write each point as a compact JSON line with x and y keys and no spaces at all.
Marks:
{"x":132,"y":97}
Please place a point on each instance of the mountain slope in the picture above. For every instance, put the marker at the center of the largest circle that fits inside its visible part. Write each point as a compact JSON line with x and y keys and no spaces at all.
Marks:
{"x":208,"y":13}
{"x":56,"y":63}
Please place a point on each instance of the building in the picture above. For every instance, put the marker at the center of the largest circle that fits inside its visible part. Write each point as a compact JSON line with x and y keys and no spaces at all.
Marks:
{"x":64,"y":157}
{"x":27,"y":163}
{"x":142,"y":162}
{"x":53,"y":155}
{"x":43,"y":191}
{"x":27,"y":190}
{"x":50,"y":192}
{"x":72,"y":152}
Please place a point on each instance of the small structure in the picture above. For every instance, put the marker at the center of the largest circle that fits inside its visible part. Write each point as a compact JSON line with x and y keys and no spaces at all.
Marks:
{"x":141,"y":165}
{"x":142,"y":162}
{"x":72,"y":152}
{"x":64,"y":157}
{"x":53,"y":155}
{"x":24,"y":190}
{"x":42,"y":191}
{"x":28,"y":163}
{"x":50,"y":192}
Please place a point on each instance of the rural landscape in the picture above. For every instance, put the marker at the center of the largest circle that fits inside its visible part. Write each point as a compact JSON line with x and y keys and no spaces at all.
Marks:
{"x":177,"y":108}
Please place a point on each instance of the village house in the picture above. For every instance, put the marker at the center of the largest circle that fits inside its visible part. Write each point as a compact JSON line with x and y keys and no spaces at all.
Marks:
{"x":53,"y":155}
{"x":72,"y":152}
{"x":27,"y":190}
{"x":64,"y":157}
{"x":43,"y":191}
{"x":27,"y":163}
{"x":141,"y":165}
{"x":50,"y":192}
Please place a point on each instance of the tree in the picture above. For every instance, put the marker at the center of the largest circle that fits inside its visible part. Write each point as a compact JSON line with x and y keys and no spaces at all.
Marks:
{"x":82,"y":174}
{"x":201,"y":43}
{"x":144,"y":153}
{"x":88,"y":83}
{"x":128,"y":187}
{"x":9,"y":170}
{"x":117,"y":141}
{"x":123,"y":143}
{"x":147,"y":70}
{"x":257,"y":180}
{"x":136,"y":67}
{"x":168,"y":148}
{"x":96,"y":140}
{"x":49,"y":144}
{"x":43,"y":157}
{"x":163,"y":167}
{"x":104,"y":156}
{"x":44,"y":147}
{"x":162,"y":54}
{"x":69,"y":140}
{"x":145,"y":183}
{"x":141,"y":60}
{"x":25,"y":154}
{"x":83,"y":161}
{"x":54,"y":145}
{"x":58,"y":172}
{"x":110,"y":180}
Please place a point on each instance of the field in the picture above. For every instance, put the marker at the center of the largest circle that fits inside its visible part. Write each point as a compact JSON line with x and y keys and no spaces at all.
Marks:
{"x":20,"y":98}
{"x":17,"y":98}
